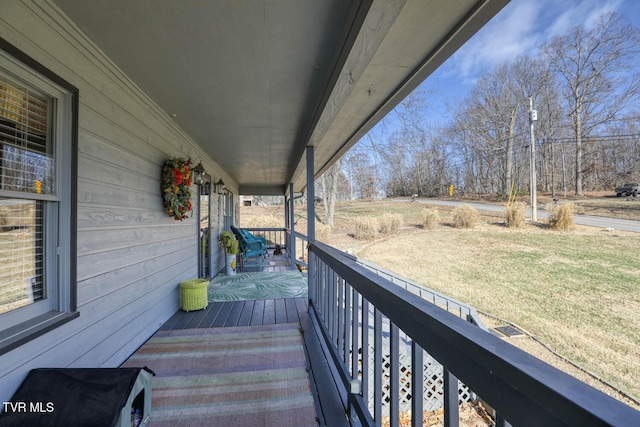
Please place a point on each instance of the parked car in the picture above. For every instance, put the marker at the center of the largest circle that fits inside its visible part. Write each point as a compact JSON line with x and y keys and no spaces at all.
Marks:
{"x":628,"y":189}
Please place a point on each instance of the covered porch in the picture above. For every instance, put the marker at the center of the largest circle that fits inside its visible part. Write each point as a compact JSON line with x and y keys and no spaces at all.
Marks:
{"x":265,"y":96}
{"x":380,"y":350}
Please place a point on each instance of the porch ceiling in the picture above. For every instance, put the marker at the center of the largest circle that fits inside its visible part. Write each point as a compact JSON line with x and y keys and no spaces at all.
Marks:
{"x":255,"y":82}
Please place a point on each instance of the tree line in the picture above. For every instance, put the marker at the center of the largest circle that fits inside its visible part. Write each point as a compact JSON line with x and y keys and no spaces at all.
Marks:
{"x":585,"y":87}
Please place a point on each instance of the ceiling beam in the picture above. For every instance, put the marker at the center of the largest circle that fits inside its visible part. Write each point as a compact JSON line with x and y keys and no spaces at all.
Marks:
{"x":356,"y":16}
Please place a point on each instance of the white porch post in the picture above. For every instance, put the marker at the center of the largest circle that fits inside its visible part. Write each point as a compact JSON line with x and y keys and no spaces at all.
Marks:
{"x":311,"y":223}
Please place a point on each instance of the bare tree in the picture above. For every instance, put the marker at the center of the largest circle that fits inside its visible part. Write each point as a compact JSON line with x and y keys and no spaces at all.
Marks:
{"x":329,"y":190}
{"x":597,"y":66}
{"x":360,"y":168}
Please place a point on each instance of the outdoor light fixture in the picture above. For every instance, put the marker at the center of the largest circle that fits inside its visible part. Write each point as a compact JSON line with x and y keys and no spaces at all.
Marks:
{"x":220,"y":186}
{"x":198,"y":173}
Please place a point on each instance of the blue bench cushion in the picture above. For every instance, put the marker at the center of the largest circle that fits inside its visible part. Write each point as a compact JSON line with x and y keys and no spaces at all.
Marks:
{"x":250,"y":246}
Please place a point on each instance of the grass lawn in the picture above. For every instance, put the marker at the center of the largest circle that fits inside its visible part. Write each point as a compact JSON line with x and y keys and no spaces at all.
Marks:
{"x":577,"y":291}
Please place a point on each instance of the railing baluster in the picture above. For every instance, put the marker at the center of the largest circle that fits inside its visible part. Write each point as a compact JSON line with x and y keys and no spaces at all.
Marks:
{"x":394,"y":380}
{"x":365,"y":350}
{"x":340,"y":334}
{"x":333,"y":324}
{"x":321,"y":285}
{"x":377,"y":366}
{"x":451,"y":408}
{"x":417,"y":386}
{"x":347,"y":323}
{"x":355,"y":321}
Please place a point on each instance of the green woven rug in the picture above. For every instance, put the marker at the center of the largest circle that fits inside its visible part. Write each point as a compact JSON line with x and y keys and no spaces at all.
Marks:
{"x":257,"y":285}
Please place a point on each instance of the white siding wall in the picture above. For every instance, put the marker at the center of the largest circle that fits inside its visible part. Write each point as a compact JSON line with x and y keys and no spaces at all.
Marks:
{"x":131,"y":255}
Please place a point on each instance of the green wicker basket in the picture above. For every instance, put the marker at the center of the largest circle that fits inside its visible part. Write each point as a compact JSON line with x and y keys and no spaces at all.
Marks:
{"x":193,"y":294}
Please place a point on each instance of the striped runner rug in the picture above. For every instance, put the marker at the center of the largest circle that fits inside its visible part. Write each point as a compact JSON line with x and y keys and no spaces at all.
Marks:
{"x":238,"y":376}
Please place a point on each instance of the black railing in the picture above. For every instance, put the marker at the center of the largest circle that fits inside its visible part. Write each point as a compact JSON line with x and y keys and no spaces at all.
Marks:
{"x":295,"y":243}
{"x":382,"y":338}
{"x":274,"y":236}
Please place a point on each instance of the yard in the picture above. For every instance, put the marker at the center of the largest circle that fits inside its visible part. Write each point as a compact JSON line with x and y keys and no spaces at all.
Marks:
{"x":578,"y":291}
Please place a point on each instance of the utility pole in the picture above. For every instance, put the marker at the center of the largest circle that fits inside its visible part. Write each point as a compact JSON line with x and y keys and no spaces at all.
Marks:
{"x":533,"y":116}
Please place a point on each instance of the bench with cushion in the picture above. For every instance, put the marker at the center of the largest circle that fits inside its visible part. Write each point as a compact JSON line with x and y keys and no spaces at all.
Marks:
{"x":250,"y":246}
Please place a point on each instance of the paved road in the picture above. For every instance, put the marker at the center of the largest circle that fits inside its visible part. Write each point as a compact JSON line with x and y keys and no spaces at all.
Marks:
{"x":589,"y":220}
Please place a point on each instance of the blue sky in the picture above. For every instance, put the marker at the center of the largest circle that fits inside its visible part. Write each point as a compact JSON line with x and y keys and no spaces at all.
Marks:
{"x":519,"y":29}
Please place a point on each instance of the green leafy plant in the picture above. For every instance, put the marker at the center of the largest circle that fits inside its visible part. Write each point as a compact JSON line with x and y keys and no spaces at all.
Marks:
{"x":229,"y":242}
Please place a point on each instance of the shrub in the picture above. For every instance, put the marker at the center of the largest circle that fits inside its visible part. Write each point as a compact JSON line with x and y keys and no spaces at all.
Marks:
{"x":430,"y":218}
{"x":465,"y":216}
{"x":516,"y":214}
{"x":366,"y":228}
{"x":391,"y":223}
{"x":560,"y":216}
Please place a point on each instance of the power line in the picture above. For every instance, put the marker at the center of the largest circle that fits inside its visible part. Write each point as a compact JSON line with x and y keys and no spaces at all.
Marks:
{"x":594,"y":137}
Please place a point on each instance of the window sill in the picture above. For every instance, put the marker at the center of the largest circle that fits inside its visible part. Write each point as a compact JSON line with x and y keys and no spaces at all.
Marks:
{"x":24,"y":332}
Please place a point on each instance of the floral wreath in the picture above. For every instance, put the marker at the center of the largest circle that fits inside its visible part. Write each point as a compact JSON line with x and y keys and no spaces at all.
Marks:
{"x":176,"y":180}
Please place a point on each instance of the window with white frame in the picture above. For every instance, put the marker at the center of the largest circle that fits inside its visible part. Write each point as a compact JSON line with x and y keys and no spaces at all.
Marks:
{"x":37,"y":174}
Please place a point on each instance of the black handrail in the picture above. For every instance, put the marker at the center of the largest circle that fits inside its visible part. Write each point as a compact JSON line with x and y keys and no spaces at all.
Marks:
{"x":522,"y":389}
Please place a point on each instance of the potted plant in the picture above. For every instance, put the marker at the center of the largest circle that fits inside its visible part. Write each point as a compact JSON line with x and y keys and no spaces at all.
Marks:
{"x":230,"y":246}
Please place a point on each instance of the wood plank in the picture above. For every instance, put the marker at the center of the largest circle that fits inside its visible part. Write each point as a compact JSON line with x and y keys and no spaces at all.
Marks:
{"x":269,"y":312}
{"x":184,"y":320}
{"x":280,"y":311}
{"x":247,"y":311}
{"x":168,"y":325}
{"x":302,"y":304}
{"x":234,"y":314}
{"x":223,"y":315}
{"x":292,"y":310}
{"x":213,"y":311}
{"x":329,"y":407}
{"x":198,"y":318}
{"x":258,"y":313}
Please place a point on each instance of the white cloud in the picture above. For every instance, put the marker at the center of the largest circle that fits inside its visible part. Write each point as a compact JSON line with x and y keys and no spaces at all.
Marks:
{"x":519,"y":29}
{"x":580,"y":13}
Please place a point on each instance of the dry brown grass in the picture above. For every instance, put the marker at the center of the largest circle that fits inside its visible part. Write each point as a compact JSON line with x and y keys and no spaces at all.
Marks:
{"x":430,"y":218}
{"x":263,"y":221}
{"x":515,"y":214}
{"x":390,"y":223}
{"x":366,"y":228}
{"x":465,"y":216}
{"x":323,"y":232}
{"x":561,"y":215}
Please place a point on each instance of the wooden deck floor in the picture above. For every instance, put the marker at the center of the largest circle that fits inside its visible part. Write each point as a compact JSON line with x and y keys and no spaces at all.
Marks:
{"x":240,"y":313}
{"x":329,"y":407}
{"x":328,"y":400}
